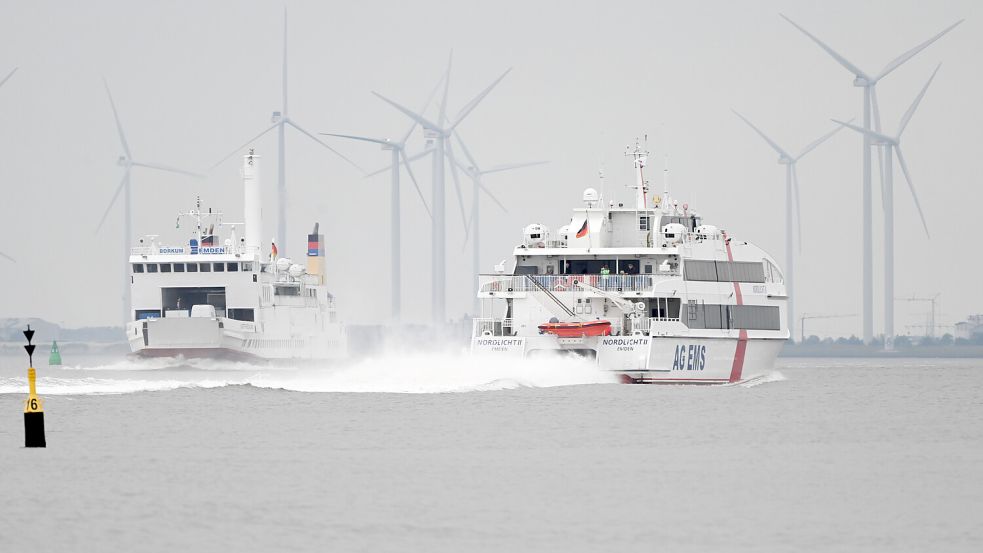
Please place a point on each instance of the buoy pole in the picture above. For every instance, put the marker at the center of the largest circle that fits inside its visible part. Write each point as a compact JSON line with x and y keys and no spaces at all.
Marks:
{"x":33,"y":405}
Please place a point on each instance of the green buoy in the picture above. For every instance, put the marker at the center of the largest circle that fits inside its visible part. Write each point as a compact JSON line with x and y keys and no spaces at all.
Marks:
{"x":55,"y":357}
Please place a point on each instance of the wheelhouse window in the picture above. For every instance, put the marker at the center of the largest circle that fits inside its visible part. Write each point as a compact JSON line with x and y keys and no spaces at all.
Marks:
{"x":241,"y":314}
{"x":165,"y":267}
{"x":179,"y":267}
{"x":232,"y":267}
{"x":192,"y":267}
{"x":151,"y":267}
{"x":206,"y":267}
{"x":247,"y":265}
{"x":219,"y":267}
{"x":138,"y":267}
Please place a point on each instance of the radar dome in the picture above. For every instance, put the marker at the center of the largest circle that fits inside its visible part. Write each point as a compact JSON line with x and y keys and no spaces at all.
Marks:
{"x":707,"y":232}
{"x":673,"y":234}
{"x":296,"y":270}
{"x":591,"y":196}
{"x":535,"y":235}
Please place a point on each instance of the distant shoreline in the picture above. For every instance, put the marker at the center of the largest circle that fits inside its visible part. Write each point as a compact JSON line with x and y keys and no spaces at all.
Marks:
{"x":967,"y":351}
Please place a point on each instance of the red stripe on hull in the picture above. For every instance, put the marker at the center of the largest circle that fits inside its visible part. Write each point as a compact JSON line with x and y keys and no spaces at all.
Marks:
{"x":738,"y":367}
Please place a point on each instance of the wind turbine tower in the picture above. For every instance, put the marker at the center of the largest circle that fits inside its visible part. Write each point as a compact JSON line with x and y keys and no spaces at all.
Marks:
{"x":127,"y":162}
{"x":791,"y":189}
{"x":280,"y":121}
{"x":889,"y":145}
{"x":474,"y":223}
{"x":439,"y":132}
{"x":868,"y":83}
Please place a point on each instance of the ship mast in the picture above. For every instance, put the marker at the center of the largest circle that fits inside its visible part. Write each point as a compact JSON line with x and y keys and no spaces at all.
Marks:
{"x":639,"y":157}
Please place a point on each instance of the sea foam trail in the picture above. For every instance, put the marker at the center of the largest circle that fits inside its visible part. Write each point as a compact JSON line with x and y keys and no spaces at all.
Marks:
{"x":773,"y":376}
{"x":391,"y":373}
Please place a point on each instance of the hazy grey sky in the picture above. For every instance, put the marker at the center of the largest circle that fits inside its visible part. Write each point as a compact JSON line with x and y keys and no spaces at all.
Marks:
{"x":194,"y":79}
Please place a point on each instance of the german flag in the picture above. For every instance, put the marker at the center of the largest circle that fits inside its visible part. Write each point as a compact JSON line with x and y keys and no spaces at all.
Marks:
{"x":583,"y":230}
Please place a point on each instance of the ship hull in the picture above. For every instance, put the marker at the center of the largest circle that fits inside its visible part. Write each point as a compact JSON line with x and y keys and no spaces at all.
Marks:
{"x":654,"y":359}
{"x":220,"y":338}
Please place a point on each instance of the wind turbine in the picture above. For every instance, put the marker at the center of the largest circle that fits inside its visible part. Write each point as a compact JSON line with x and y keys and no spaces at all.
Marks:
{"x":868,"y":83}
{"x":398,"y":152}
{"x":127,"y":162}
{"x":5,"y":79}
{"x":474,"y":226}
{"x":280,"y":121}
{"x":791,"y":188}
{"x":439,"y":132}
{"x":889,"y":145}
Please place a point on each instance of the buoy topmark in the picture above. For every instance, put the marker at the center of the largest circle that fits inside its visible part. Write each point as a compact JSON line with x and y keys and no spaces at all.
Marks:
{"x":33,"y":405}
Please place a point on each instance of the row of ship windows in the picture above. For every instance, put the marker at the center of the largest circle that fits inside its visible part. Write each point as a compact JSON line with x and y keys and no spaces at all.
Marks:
{"x":749,"y":317}
{"x":214,"y":267}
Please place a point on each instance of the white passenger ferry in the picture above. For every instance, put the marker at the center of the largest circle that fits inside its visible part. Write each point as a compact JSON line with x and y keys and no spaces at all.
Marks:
{"x":648,"y":290}
{"x":215,"y":297}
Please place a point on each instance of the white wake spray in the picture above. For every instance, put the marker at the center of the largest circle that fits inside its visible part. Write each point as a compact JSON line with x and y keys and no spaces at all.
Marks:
{"x":414,"y":372}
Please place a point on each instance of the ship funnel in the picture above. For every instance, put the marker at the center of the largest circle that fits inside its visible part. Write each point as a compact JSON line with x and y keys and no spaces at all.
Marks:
{"x":315,"y":253}
{"x":253,"y":209}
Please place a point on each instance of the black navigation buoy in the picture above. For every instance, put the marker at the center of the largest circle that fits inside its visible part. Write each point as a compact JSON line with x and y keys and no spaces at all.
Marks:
{"x":33,"y":405}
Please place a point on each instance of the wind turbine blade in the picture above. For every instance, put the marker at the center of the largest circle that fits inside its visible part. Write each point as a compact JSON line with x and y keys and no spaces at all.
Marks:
{"x":284,"y":62}
{"x":911,"y":187}
{"x":169,"y":169}
{"x":879,"y":152}
{"x":442,"y":118}
{"x":911,"y":53}
{"x":416,"y":185}
{"x":414,"y":116}
{"x":247,"y":143}
{"x":511,"y":166}
{"x":318,"y":140}
{"x":491,"y":196}
{"x":457,"y":185}
{"x":119,"y":126}
{"x":836,"y":56}
{"x":119,"y":189}
{"x":412,"y":158}
{"x":875,"y":109}
{"x":5,"y":79}
{"x":819,"y":141}
{"x":467,"y":153}
{"x":477,"y":100}
{"x":363,"y":138}
{"x":770,"y":142}
{"x":798,"y":207}
{"x":426,"y":104}
{"x":861,"y":130}
{"x":914,"y":105}
{"x":5,"y":256}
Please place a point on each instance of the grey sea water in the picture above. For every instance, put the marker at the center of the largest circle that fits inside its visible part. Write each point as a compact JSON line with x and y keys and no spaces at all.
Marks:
{"x":827,"y":455}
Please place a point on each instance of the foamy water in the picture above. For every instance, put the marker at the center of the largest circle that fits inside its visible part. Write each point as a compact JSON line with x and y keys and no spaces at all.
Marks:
{"x":392,"y":373}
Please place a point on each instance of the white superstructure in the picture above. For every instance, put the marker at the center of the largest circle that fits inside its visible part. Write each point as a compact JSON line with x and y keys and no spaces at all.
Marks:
{"x":214,"y":296}
{"x":648,"y":290}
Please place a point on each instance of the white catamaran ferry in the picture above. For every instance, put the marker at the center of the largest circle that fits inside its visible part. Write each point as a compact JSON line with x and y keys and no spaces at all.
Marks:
{"x":648,"y":290}
{"x":211,"y":297}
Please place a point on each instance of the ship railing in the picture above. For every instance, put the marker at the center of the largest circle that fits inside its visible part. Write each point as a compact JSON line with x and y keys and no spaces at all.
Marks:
{"x":645,"y":324}
{"x":497,"y":284}
{"x":484,"y":326}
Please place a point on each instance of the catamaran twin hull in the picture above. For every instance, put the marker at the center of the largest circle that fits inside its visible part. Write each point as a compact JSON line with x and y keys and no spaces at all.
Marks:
{"x":228,"y":339}
{"x":652,"y":359}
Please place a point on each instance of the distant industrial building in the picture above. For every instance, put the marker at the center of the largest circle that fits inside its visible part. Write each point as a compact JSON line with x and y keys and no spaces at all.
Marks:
{"x":971,"y":328}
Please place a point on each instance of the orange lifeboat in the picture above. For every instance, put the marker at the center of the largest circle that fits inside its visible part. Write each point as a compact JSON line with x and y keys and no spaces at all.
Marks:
{"x":577,"y":329}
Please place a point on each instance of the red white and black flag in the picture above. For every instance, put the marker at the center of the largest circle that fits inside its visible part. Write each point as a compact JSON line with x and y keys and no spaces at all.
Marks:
{"x":583,"y":230}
